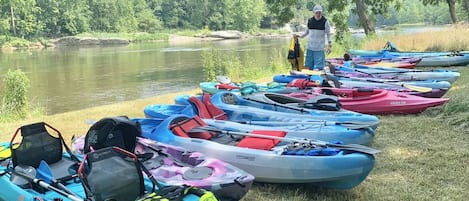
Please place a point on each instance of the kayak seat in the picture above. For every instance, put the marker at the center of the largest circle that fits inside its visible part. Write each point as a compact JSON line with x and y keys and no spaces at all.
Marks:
{"x":183,"y":125}
{"x":38,"y":145}
{"x":207,"y":109}
{"x":229,"y":98}
{"x":262,"y":143}
{"x":322,"y":102}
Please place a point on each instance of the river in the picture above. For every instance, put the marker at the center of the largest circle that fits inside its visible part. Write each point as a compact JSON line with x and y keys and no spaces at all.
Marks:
{"x":71,"y":78}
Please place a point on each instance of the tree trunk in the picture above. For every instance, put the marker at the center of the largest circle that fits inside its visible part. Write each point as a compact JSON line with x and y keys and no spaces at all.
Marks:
{"x":13,"y":25}
{"x":466,"y":5}
{"x":452,"y":10}
{"x":365,"y":21}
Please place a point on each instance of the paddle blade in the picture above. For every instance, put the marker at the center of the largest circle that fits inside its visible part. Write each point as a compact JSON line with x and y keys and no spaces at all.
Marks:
{"x":417,"y":88}
{"x":44,"y":172}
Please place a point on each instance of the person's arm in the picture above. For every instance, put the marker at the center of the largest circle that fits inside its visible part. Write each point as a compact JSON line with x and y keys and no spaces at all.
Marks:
{"x":328,"y":33}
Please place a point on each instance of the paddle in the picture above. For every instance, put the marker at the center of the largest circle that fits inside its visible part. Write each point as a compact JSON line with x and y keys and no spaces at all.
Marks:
{"x":350,"y":147}
{"x":351,"y":125}
{"x":44,"y":172}
{"x":29,"y":173}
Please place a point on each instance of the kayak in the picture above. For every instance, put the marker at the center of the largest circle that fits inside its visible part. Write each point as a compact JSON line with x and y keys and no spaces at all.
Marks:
{"x":229,"y":106}
{"x":175,"y":166}
{"x":394,"y":73}
{"x":313,"y":130}
{"x":246,"y":88}
{"x":367,"y":82}
{"x":270,"y":158}
{"x":410,"y":87}
{"x":373,"y":101}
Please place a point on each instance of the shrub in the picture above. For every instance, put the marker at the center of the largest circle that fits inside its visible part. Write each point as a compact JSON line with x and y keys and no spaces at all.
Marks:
{"x":14,"y":101}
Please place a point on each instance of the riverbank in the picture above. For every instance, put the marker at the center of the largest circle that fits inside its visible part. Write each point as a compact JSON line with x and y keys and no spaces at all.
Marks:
{"x":115,"y":39}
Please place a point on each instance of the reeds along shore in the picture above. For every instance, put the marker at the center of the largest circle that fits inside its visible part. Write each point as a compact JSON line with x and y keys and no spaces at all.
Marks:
{"x":451,"y":39}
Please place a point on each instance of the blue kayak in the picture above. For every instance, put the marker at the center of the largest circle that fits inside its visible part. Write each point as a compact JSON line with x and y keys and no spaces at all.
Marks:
{"x":276,"y":161}
{"x":313,"y":130}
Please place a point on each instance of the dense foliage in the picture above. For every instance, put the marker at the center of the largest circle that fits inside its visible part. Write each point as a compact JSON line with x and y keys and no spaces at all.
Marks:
{"x":34,"y":19}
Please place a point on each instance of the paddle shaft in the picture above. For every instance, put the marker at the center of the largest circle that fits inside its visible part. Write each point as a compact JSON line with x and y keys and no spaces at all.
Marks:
{"x":351,"y":147}
{"x":48,"y":186}
{"x":351,"y":125}
{"x":318,"y":121}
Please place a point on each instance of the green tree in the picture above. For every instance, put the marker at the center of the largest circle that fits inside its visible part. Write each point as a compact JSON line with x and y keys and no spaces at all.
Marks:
{"x":112,"y":16}
{"x":146,"y":21}
{"x":22,"y":17}
{"x":64,"y":17}
{"x":245,"y":15}
{"x":451,"y":7}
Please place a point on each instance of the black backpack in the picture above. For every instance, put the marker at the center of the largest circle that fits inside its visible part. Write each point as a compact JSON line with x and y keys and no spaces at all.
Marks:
{"x":112,"y":131}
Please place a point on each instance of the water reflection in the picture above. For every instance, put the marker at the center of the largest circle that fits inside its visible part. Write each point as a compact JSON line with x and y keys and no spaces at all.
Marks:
{"x":71,"y":78}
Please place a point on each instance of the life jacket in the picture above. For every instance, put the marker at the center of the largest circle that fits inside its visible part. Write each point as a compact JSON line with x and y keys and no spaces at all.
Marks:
{"x":182,"y":127}
{"x":261,"y":143}
{"x":226,"y":86}
{"x":317,"y":24}
{"x":303,"y":83}
{"x":112,"y":131}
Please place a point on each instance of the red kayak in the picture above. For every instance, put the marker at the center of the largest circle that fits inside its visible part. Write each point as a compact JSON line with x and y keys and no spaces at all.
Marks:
{"x":375,"y":101}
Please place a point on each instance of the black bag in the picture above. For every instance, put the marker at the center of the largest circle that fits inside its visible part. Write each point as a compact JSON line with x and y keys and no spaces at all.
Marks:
{"x":112,"y":131}
{"x":111,"y":173}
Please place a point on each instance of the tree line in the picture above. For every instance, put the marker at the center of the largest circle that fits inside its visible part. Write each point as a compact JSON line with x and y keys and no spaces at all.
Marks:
{"x":32,"y":19}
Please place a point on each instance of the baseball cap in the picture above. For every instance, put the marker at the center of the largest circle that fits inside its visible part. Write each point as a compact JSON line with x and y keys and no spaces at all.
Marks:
{"x":317,"y":8}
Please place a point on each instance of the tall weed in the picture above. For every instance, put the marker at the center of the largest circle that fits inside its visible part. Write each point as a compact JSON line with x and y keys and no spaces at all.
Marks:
{"x":14,"y":100}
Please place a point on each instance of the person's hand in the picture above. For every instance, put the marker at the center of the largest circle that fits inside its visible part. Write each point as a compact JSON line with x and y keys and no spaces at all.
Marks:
{"x":329,"y":49}
{"x":296,"y":35}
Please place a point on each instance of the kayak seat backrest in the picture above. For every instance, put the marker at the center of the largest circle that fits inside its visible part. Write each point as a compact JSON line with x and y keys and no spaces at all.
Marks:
{"x":213,"y":110}
{"x":207,"y":109}
{"x":182,"y":127}
{"x":39,"y":145}
{"x":261,"y":143}
{"x":199,"y":107}
{"x":229,"y":98}
{"x":111,"y":173}
{"x":322,"y":102}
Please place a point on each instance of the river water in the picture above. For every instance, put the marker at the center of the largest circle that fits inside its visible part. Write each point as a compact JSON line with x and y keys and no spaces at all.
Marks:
{"x":70,"y":78}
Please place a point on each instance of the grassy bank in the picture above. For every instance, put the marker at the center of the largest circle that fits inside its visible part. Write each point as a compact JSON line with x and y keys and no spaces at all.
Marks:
{"x":454,"y":38}
{"x":424,"y":156}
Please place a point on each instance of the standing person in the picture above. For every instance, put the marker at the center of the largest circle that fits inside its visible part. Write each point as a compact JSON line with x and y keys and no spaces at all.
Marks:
{"x":318,"y":29}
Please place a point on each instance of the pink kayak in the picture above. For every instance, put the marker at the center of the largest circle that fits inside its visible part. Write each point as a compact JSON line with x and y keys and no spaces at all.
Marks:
{"x":375,"y":101}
